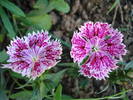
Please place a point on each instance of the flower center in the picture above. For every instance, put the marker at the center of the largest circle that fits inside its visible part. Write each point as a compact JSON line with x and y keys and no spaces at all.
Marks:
{"x":94,"y":49}
{"x":35,"y":59}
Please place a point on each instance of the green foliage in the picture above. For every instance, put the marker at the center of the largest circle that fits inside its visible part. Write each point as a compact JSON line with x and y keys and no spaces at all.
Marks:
{"x":113,"y":6}
{"x":3,"y":56}
{"x":12,"y":7}
{"x":43,"y":21}
{"x":129,"y":65}
{"x":22,"y":95}
{"x":5,"y":19}
{"x":7,"y":23}
{"x":36,"y":95}
{"x":42,"y":89}
{"x":41,"y":4}
{"x":58,"y":93}
{"x":38,"y":17}
{"x":3,"y":83}
{"x":66,"y":97}
{"x":16,"y":75}
{"x":59,"y":5}
{"x":3,"y":95}
{"x":56,"y":77}
{"x":49,"y":5}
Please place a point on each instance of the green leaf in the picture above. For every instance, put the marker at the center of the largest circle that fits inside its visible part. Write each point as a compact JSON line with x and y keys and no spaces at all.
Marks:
{"x":22,"y":95}
{"x":43,"y":21}
{"x":2,"y":37}
{"x":24,"y":85}
{"x":3,"y":95}
{"x":3,"y":56}
{"x":129,"y":65}
{"x":2,"y":80}
{"x":12,"y":7}
{"x":125,"y":97}
{"x":59,"y":5}
{"x":41,"y":4}
{"x":62,"y":6}
{"x":56,"y":77}
{"x":58,"y":93}
{"x":7,"y":23}
{"x":51,"y":81}
{"x":66,"y":97}
{"x":48,"y":85}
{"x":45,"y":6}
{"x":36,"y":94}
{"x":113,"y":6}
{"x":16,"y":75}
{"x":42,"y":89}
{"x":36,"y":12}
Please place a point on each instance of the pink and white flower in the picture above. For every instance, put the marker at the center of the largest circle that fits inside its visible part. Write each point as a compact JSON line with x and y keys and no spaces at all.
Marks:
{"x":100,"y":45}
{"x":33,"y":54}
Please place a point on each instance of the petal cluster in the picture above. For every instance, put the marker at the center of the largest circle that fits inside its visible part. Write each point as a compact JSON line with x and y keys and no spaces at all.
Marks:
{"x":97,"y":47}
{"x":33,"y":54}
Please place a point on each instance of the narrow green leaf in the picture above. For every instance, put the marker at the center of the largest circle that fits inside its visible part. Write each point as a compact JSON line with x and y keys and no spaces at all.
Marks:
{"x":2,"y":80}
{"x":26,"y":84}
{"x":3,"y":56}
{"x":2,"y":37}
{"x":23,"y":95}
{"x":58,"y":93}
{"x":12,"y":7}
{"x":113,"y":6}
{"x":42,"y":89}
{"x":129,"y":65}
{"x":103,"y":89}
{"x":7,"y":23}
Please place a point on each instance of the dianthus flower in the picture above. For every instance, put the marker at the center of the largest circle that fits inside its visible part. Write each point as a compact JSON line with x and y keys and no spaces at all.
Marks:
{"x":97,"y":47}
{"x":33,"y":54}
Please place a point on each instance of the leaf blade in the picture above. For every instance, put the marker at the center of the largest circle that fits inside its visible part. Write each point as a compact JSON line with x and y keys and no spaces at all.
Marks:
{"x":7,"y":23}
{"x":129,"y":65}
{"x":43,"y":21}
{"x":113,"y":6}
{"x":58,"y":93}
{"x":59,"y":5}
{"x":4,"y":56}
{"x":12,"y":7}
